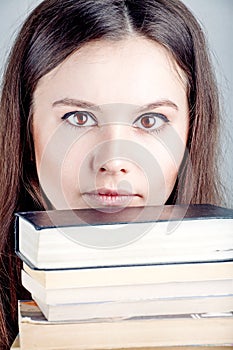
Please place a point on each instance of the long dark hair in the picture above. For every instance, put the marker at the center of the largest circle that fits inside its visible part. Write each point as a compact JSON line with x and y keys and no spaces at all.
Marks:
{"x":54,"y":30}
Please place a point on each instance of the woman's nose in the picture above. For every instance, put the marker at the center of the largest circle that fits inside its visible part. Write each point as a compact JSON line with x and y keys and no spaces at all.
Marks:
{"x":111,"y":156}
{"x":115,"y":167}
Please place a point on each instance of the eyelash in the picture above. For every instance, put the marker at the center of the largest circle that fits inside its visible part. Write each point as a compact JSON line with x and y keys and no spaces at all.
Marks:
{"x":94,"y":122}
{"x":82,"y":113}
{"x":154,"y":115}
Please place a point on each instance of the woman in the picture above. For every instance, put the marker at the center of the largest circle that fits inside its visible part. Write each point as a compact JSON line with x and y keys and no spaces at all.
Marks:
{"x":117,"y":42}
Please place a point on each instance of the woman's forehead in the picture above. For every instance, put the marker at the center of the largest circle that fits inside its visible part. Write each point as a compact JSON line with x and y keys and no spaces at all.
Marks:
{"x":114,"y":71}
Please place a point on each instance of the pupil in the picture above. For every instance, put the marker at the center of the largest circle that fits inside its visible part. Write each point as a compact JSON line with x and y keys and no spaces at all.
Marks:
{"x":81,"y":118}
{"x":148,"y":122}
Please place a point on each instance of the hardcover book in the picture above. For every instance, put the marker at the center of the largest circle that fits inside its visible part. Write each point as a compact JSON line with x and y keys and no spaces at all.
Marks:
{"x":137,"y":332}
{"x":131,"y":275}
{"x":135,"y":308}
{"x":132,"y":236}
{"x":129,"y":292}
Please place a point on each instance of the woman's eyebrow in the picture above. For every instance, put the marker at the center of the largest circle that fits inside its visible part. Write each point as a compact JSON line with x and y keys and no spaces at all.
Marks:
{"x":159,"y":103}
{"x":86,"y":104}
{"x":76,"y":103}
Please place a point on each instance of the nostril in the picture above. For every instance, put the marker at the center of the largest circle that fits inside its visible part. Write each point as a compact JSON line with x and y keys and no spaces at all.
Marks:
{"x":113,"y":167}
{"x":109,"y":170}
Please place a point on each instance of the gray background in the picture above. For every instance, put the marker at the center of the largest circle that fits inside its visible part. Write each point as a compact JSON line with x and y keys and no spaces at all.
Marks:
{"x":215,"y":17}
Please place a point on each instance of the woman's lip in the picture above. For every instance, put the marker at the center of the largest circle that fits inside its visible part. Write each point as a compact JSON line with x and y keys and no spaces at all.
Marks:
{"x":110,"y":192}
{"x":106,"y":197}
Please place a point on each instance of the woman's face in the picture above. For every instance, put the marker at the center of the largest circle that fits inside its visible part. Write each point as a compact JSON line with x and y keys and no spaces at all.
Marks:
{"x":110,"y":126}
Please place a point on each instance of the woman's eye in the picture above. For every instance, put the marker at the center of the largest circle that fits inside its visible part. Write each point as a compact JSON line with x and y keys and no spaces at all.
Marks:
{"x":151,"y":121}
{"x":80,"y":118}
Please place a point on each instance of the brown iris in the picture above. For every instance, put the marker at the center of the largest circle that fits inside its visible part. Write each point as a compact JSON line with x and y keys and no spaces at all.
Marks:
{"x":148,"y":122}
{"x":81,"y":118}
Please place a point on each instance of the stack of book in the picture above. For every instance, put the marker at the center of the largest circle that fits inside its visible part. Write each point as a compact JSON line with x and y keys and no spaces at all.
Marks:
{"x":135,"y":278}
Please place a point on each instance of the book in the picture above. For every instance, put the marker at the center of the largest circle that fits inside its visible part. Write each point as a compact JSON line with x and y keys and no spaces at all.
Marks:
{"x":139,"y":235}
{"x":142,"y":332}
{"x":130,"y":292}
{"x":125,"y":309}
{"x":16,"y":346}
{"x":130,"y":275}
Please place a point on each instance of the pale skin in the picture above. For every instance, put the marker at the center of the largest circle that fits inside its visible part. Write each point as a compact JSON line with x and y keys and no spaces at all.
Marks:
{"x":110,"y":126}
